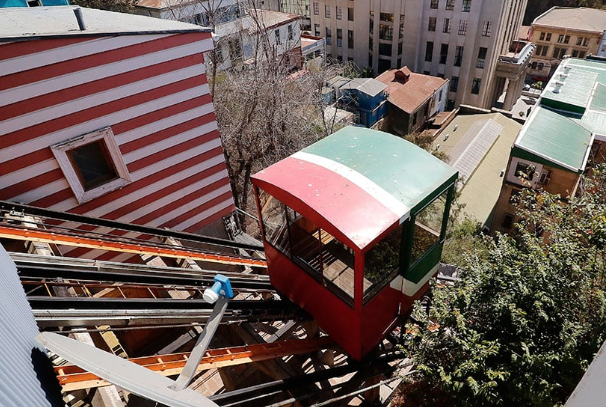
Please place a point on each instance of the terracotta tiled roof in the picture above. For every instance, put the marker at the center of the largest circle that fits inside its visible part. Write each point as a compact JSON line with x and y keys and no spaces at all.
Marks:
{"x":408,"y":90}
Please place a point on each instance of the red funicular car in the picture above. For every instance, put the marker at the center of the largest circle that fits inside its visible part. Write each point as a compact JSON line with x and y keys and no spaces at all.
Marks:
{"x":353,"y":228}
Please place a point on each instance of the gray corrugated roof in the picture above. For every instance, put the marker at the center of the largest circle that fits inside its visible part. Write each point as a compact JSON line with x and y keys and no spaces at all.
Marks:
{"x":369,"y":86}
{"x":26,"y":377}
{"x":60,"y":21}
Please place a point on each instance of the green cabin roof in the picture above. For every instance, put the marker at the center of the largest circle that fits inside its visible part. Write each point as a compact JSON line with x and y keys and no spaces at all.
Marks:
{"x":409,"y":173}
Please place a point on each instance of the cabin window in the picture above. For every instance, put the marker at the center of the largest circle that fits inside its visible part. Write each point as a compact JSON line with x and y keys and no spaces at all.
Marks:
{"x":428,"y":226}
{"x":273,"y":216}
{"x":382,"y":263}
{"x":92,"y":164}
{"x":312,"y":248}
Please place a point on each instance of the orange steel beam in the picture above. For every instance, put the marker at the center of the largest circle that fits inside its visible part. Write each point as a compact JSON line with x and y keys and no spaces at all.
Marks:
{"x":43,"y":236}
{"x":73,"y":378}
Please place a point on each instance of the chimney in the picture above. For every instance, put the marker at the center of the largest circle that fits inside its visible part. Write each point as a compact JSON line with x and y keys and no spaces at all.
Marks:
{"x":80,"y":19}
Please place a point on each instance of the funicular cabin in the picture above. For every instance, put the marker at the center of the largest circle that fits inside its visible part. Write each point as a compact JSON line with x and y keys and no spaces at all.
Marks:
{"x":353,"y":228}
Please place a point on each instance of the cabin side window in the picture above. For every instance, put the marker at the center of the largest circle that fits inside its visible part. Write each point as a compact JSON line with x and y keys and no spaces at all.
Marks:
{"x":428,"y":226}
{"x":311,"y":247}
{"x":382,"y":263}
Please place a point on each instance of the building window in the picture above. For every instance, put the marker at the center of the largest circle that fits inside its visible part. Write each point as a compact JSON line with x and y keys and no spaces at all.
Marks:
{"x":446,"y":28}
{"x":350,"y":39}
{"x":316,"y":8}
{"x":585,"y":42}
{"x":542,"y":36}
{"x":235,"y":48}
{"x":429,"y":51}
{"x":385,"y":49}
{"x":386,"y":17}
{"x":92,"y":164}
{"x":563,"y":39}
{"x":371,"y":26}
{"x":328,"y":36}
{"x":399,"y":53}
{"x":401,"y":30}
{"x":548,"y":37}
{"x":317,"y":30}
{"x":481,"y":57}
{"x":541,"y":50}
{"x":559,"y":53}
{"x":579,"y":40}
{"x":370,"y":45}
{"x":458,"y":55}
{"x":339,"y":13}
{"x":339,"y":37}
{"x":350,"y":14}
{"x":327,"y":11}
{"x":475,"y":86}
{"x":462,"y":27}
{"x":454,"y":83}
{"x":486,"y":29}
{"x":385,"y":32}
{"x":525,"y":171}
{"x":466,"y":6}
{"x":443,"y":53}
{"x":218,"y":54}
{"x":507,"y":222}
{"x":450,"y":4}
{"x":431,"y":25}
{"x":290,"y":33}
{"x":434,"y":4}
{"x":277,"y":34}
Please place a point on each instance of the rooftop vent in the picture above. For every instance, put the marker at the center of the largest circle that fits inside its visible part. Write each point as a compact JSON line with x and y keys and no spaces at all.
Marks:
{"x":567,"y":69}
{"x":80,"y":19}
{"x":558,"y":86}
{"x":563,"y":76}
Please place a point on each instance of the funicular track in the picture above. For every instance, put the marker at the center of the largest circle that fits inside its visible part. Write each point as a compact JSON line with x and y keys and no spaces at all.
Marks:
{"x":88,"y":309}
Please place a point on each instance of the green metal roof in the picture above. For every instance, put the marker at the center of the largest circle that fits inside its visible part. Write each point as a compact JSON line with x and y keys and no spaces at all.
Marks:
{"x":571,"y":109}
{"x":556,"y":137}
{"x":409,"y":173}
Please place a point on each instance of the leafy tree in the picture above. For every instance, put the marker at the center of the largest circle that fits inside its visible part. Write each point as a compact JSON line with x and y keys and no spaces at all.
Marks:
{"x":522,"y":325}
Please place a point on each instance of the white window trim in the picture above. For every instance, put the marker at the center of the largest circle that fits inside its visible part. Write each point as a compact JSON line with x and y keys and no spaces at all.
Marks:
{"x":106,"y":134}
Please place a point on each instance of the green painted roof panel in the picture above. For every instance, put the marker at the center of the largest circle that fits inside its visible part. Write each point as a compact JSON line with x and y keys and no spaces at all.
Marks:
{"x":557,"y":137}
{"x":406,"y":171}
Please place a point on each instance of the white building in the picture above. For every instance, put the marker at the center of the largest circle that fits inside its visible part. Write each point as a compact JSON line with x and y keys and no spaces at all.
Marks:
{"x":457,"y":39}
{"x":241,"y":35}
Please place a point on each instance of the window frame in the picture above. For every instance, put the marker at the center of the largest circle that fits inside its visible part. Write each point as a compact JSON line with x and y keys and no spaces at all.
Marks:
{"x":61,"y":152}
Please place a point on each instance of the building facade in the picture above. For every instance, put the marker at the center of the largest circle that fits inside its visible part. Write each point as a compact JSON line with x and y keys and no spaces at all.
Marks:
{"x":564,"y":31}
{"x":113,"y":121}
{"x":457,"y":39}
{"x":563,"y":137}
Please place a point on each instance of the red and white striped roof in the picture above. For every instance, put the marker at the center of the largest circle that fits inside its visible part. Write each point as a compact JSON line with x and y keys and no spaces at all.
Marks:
{"x":149,"y":85}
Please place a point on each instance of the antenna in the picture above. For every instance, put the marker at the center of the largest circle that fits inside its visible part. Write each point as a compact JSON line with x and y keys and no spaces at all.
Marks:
{"x":137,"y":379}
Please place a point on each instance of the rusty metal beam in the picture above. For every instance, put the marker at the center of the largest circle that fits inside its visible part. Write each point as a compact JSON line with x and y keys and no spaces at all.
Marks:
{"x":72,"y":377}
{"x":35,"y":235}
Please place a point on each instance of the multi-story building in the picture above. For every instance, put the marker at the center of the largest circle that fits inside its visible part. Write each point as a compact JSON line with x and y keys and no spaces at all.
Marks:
{"x":561,"y":139}
{"x":241,"y":34}
{"x":457,"y":39}
{"x":563,"y":31}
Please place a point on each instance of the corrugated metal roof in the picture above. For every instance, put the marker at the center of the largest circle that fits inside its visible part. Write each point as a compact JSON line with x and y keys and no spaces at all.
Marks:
{"x":412,"y":94}
{"x":569,"y":89}
{"x":33,"y":22}
{"x":369,"y":86}
{"x":556,"y":137}
{"x":26,"y":378}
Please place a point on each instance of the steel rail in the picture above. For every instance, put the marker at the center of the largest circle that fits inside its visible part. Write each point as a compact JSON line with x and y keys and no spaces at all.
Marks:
{"x":62,"y":238}
{"x":194,"y":279}
{"x":72,"y":377}
{"x":72,"y":217}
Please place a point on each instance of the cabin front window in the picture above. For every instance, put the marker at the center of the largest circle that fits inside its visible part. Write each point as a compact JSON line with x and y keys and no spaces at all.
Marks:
{"x":273,"y":216}
{"x":311,"y":247}
{"x":382,"y":263}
